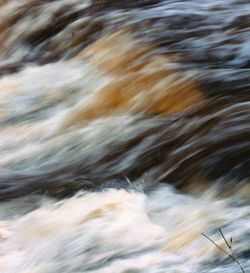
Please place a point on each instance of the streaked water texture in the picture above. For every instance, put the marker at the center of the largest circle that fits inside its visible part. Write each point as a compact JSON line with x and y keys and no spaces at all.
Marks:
{"x":124,"y":135}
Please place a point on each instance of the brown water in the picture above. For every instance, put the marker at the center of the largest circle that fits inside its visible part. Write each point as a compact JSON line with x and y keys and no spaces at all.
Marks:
{"x":124,"y":134}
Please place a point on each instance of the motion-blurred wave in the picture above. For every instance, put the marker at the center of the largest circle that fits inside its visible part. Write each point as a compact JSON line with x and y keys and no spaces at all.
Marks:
{"x":137,"y":114}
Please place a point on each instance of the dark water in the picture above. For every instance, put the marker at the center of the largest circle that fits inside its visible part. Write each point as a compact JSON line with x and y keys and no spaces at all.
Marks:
{"x":143,"y":107}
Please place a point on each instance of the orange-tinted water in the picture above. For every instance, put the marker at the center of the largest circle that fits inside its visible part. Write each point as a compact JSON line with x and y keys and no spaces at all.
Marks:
{"x":124,"y":135}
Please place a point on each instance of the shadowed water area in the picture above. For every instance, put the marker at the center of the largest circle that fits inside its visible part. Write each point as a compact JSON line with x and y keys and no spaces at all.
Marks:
{"x":124,"y":135}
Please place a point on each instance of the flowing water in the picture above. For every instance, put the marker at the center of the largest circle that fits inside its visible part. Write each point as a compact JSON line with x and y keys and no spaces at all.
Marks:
{"x":124,"y":135}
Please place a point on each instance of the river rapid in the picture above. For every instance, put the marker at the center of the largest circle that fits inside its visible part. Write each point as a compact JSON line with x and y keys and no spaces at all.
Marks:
{"x":124,"y":135}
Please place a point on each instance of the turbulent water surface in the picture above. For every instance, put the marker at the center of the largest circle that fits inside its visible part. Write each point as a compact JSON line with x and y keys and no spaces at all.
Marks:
{"x":124,"y":135}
